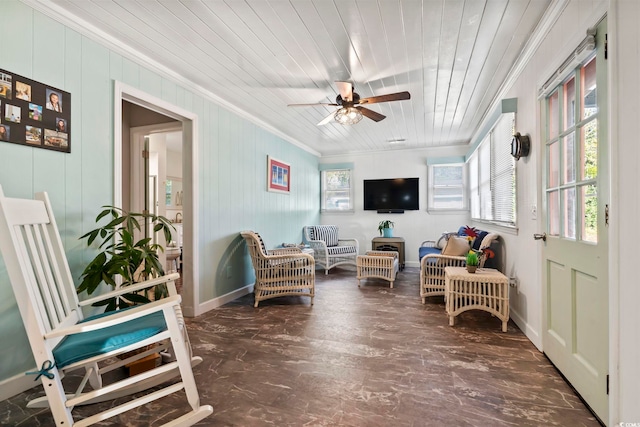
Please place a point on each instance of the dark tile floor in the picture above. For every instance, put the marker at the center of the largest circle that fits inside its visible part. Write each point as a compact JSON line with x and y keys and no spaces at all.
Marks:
{"x":369,"y":356}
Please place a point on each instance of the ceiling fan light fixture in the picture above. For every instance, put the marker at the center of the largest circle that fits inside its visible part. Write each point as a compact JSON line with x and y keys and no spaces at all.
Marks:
{"x":348,"y":116}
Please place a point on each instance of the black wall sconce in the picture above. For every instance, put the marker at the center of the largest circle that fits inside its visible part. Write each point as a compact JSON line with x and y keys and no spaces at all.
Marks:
{"x":520,"y":145}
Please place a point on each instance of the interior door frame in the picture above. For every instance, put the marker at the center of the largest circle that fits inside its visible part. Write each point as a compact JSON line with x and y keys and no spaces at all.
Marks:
{"x":190,"y":266}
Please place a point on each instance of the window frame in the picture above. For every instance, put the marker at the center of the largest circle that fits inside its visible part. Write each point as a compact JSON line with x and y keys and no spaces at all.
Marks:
{"x":432,"y":185}
{"x":323,"y":191}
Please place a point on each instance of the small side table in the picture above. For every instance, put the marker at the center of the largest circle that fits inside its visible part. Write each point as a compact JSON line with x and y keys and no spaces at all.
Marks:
{"x":487,"y":289}
{"x":390,"y":244}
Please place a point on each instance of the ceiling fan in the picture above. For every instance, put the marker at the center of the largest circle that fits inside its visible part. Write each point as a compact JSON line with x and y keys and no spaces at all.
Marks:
{"x":351,"y":110}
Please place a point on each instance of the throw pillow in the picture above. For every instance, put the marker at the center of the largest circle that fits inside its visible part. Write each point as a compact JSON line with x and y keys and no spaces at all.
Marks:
{"x":488,"y":239}
{"x":442,"y":241}
{"x":478,"y":240}
{"x":456,"y":246}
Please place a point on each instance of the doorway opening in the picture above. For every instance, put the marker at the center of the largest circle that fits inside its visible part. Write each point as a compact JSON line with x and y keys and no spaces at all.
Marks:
{"x":141,"y":120}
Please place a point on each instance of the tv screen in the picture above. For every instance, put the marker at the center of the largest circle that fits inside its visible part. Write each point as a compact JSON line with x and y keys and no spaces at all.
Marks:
{"x":400,"y":194}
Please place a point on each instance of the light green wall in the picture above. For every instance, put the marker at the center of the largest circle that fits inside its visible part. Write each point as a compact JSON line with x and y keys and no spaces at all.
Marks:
{"x":232,"y":163}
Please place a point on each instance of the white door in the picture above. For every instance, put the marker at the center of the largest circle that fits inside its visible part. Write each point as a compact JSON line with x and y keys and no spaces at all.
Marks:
{"x":574,"y":259}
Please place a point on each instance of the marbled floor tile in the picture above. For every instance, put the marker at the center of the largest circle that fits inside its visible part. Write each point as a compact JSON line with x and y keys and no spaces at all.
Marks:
{"x":369,"y":356}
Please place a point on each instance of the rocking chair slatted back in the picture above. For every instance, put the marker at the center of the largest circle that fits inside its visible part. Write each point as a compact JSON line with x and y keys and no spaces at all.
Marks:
{"x":37,"y":265}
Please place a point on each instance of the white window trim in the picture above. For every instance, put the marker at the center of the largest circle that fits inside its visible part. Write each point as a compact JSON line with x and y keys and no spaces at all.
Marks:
{"x":323,"y":208}
{"x":432,"y":185}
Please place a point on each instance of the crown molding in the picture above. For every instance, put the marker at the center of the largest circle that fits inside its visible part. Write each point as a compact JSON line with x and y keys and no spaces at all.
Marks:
{"x":534,"y":41}
{"x":63,"y":16}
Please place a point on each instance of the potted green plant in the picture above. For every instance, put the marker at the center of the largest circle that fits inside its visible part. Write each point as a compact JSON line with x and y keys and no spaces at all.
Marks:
{"x":120,"y":255}
{"x":472,"y":261}
{"x":386,"y":228}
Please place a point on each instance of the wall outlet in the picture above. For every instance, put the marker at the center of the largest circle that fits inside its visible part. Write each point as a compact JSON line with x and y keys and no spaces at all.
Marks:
{"x":228,"y":272}
{"x":513,"y":283}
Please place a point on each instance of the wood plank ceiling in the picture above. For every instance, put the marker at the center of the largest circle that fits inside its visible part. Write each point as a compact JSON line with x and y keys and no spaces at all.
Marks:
{"x":261,"y":55}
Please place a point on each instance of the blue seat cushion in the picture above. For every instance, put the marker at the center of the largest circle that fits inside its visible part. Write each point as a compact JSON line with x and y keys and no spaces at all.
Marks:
{"x":74,"y":348}
{"x":423,"y":250}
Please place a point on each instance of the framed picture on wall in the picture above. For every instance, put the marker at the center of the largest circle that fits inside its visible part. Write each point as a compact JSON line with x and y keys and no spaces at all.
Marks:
{"x":34,"y":114}
{"x":278,"y":175}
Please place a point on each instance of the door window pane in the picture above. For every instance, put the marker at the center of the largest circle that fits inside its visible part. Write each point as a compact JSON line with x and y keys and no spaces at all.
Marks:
{"x":553,"y":205}
{"x":554,"y":165}
{"x":589,"y":224}
{"x":589,"y":150}
{"x":553,"y":115}
{"x":570,"y":103}
{"x":589,"y":93}
{"x":569,"y":158}
{"x":569,"y":212}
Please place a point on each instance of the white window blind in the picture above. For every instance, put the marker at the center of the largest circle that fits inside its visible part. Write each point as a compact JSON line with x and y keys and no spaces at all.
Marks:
{"x":484,"y":180}
{"x":503,"y":188}
{"x":474,"y":186}
{"x":492,"y":175}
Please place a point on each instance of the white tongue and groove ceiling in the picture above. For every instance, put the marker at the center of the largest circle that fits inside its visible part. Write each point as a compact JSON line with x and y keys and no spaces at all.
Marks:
{"x":261,"y":55}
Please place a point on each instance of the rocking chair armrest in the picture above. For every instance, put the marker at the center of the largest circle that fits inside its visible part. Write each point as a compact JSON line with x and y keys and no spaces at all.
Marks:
{"x":132,"y":288}
{"x":117,"y":317}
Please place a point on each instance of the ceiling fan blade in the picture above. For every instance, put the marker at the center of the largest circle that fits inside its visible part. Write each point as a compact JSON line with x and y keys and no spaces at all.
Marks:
{"x":346,"y":90}
{"x":311,"y":105}
{"x":373,"y":115}
{"x":386,"y":98}
{"x":327,"y":119}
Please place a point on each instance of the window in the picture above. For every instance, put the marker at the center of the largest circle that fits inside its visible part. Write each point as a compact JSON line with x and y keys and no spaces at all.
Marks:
{"x":447,"y":187}
{"x":492,"y":177}
{"x":572,"y":156}
{"x":336,"y":190}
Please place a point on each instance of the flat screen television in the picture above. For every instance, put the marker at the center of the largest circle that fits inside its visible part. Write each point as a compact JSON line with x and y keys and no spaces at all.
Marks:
{"x":391,"y":195}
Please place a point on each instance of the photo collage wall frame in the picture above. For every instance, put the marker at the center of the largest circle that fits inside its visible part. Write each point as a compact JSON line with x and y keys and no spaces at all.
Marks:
{"x":34,"y":114}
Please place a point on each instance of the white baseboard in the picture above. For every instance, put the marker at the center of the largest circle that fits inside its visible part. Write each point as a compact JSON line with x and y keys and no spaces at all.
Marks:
{"x":223,"y":299}
{"x":412,"y":264}
{"x":529,"y":332}
{"x":17,"y":384}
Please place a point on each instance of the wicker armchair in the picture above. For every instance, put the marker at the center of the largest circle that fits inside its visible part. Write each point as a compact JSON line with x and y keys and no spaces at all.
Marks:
{"x":280,"y":272}
{"x":378,"y":264}
{"x":330,"y":250}
{"x":432,"y":273}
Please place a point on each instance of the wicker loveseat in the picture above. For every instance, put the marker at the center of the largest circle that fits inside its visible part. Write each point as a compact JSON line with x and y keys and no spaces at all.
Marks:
{"x":280,"y":272}
{"x":329,"y":249}
{"x":436,"y":255}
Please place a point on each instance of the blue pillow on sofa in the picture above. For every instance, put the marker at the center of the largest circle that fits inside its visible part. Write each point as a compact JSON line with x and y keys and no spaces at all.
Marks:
{"x":481,"y":235}
{"x":478,"y":241}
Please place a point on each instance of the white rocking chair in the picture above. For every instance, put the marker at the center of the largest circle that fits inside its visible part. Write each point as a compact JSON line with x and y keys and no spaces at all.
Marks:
{"x":63,"y":340}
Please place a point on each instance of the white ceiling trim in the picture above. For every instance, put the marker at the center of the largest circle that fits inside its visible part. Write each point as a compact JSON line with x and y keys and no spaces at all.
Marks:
{"x":89,"y":30}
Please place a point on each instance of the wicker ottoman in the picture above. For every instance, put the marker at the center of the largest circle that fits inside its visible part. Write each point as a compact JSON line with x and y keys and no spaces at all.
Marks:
{"x":378,"y":264}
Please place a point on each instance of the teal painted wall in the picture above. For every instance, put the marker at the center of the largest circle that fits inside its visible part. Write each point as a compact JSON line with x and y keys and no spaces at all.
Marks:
{"x":232,"y":163}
